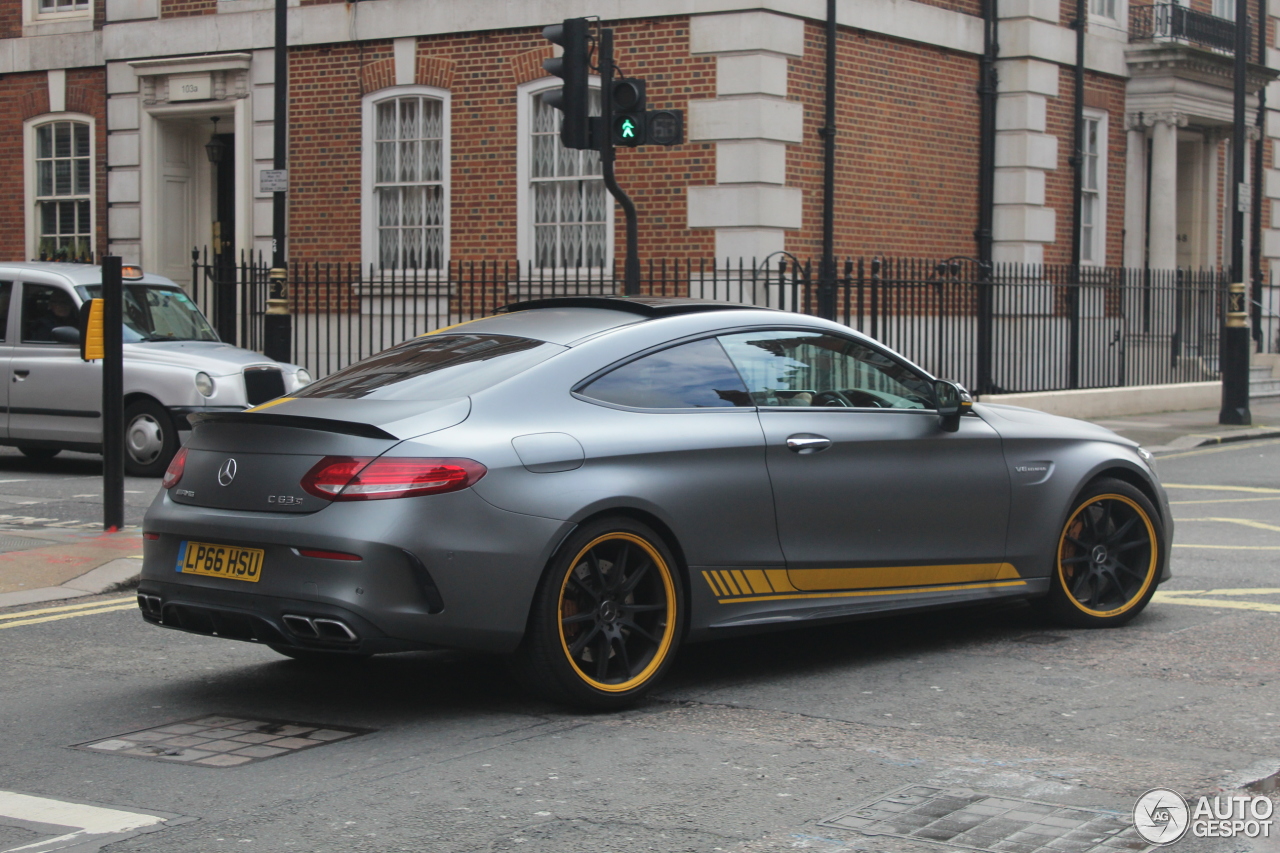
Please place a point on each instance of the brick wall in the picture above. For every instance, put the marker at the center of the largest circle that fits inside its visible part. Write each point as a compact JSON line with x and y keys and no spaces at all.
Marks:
{"x":482,"y":71}
{"x":187,"y":8}
{"x":24,"y":96}
{"x":907,"y":147}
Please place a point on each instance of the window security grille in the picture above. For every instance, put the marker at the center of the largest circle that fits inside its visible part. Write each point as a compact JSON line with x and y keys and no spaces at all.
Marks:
{"x":570,"y":213}
{"x":409,"y":183}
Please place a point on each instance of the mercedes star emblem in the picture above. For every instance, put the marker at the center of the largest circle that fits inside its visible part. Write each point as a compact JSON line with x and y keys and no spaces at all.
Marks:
{"x":227,"y":472}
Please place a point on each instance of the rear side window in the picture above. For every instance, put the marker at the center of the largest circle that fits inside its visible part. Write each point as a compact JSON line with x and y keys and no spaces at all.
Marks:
{"x":696,"y":375}
{"x":434,"y":367}
{"x":6,"y":289}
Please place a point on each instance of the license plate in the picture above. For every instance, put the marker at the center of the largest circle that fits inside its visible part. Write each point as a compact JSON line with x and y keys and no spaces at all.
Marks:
{"x":220,"y":561}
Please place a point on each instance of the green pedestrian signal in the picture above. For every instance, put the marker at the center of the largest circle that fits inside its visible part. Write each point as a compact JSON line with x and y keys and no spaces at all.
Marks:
{"x":628,"y":129}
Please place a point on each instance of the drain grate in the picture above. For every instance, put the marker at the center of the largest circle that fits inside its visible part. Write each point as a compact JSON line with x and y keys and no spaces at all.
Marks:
{"x":22,"y":543}
{"x":221,"y":741}
{"x":959,"y":817}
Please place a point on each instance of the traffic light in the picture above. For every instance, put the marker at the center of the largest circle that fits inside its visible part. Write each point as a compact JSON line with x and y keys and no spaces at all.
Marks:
{"x":664,"y":127}
{"x":628,"y":116}
{"x":573,"y":67}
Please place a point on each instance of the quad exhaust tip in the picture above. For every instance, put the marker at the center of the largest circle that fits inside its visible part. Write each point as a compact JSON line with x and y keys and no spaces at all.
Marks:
{"x":149,"y":604}
{"x":319,"y":628}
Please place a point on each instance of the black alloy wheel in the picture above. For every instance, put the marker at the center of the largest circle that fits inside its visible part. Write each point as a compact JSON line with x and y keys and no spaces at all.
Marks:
{"x":606,"y":619}
{"x":1109,"y":557}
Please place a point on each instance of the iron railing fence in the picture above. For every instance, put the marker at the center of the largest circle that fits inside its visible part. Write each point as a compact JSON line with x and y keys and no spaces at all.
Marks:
{"x":232,"y":293}
{"x":1001,"y":328}
{"x":1171,"y":21}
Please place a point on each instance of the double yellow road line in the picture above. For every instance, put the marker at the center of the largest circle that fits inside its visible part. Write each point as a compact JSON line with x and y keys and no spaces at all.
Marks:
{"x":69,"y":611}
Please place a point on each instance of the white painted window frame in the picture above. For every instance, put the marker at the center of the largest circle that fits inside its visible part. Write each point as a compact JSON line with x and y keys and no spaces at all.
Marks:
{"x":1225,"y":9}
{"x":525,"y":93}
{"x":31,"y":14}
{"x":1098,"y":245}
{"x":368,"y":165}
{"x":29,"y":177}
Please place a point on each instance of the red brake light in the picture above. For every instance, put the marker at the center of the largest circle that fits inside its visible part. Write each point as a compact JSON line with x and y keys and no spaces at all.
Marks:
{"x":174,"y":472}
{"x":348,"y":478}
{"x":329,"y":555}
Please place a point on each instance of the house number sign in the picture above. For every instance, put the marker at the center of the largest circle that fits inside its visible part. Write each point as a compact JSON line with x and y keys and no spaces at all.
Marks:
{"x":191,"y":87}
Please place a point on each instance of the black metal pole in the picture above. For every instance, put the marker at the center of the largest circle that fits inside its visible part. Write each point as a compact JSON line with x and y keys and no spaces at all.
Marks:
{"x":277,"y":323}
{"x":1077,"y":199}
{"x":604,"y":144}
{"x":1235,"y":332}
{"x":1259,"y":147}
{"x":827,"y":268}
{"x":987,"y":93}
{"x":112,"y":395}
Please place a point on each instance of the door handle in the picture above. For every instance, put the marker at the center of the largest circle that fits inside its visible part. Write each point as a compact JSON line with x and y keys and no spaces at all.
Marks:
{"x":19,"y":375}
{"x":806,"y":444}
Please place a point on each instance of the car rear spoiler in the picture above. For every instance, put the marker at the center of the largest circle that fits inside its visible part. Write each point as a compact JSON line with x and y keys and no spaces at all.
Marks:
{"x":295,"y":421}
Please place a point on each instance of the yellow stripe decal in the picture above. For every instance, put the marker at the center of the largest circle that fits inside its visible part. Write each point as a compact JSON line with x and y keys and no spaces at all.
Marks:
{"x":741,"y":581}
{"x":56,"y":617}
{"x":759,"y":583}
{"x":726,"y":578}
{"x":711,"y":582}
{"x":819,"y":580}
{"x":780,"y":581}
{"x":854,"y":593}
{"x":454,"y":326}
{"x":277,"y":401}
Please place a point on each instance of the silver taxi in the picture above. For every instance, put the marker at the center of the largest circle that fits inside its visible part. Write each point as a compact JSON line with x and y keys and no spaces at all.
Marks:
{"x":174,"y":366}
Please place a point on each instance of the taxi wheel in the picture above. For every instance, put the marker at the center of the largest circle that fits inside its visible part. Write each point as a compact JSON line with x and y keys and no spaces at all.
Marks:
{"x":319,"y":657}
{"x":150,"y":438}
{"x":606,"y":619}
{"x":1109,"y":557}
{"x":40,"y":453}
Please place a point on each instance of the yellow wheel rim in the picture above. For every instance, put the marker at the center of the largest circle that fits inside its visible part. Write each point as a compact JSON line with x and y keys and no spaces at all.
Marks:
{"x":617,"y":612}
{"x":1107,"y":555}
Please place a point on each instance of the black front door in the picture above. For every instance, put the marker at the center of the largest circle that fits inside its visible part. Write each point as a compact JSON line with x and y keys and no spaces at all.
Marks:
{"x":224,"y":247}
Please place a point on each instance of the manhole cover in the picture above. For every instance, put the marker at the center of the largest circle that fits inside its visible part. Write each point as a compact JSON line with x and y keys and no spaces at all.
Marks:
{"x":962,"y":818}
{"x":22,"y":543}
{"x":221,"y":741}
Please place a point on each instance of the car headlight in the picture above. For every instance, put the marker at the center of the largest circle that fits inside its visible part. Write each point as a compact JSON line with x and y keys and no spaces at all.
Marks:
{"x":1145,"y":454}
{"x":205,"y":384}
{"x":303,"y":377}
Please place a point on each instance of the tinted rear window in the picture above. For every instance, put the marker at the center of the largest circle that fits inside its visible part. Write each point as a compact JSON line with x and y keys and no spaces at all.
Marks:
{"x":436,"y":367}
{"x":690,"y":376}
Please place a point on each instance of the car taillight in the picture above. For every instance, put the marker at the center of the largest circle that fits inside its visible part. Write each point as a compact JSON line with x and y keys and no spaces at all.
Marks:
{"x":361,"y":478}
{"x":173,"y":473}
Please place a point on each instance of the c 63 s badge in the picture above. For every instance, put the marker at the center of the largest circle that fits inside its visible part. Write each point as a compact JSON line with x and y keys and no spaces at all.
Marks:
{"x":284,"y":500}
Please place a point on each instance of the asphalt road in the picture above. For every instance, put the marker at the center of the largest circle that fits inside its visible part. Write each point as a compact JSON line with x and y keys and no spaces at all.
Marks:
{"x":748,"y":747}
{"x":65,"y":491}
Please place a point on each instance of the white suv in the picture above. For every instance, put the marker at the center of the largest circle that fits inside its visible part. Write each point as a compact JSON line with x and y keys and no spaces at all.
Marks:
{"x":174,"y":366}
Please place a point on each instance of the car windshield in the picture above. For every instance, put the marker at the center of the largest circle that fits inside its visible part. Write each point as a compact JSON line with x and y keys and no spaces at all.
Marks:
{"x":158,"y":313}
{"x":434,"y":367}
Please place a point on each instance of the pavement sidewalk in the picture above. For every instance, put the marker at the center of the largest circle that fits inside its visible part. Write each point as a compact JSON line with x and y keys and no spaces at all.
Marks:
{"x":1167,"y":432}
{"x":49,"y":564}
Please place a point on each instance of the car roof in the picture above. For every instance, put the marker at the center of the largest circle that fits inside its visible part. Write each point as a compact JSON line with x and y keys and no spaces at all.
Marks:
{"x":645,"y":306}
{"x":76,"y":274}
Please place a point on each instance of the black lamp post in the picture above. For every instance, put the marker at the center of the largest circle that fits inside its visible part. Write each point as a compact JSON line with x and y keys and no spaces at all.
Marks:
{"x":1235,"y":331}
{"x":277,"y":323}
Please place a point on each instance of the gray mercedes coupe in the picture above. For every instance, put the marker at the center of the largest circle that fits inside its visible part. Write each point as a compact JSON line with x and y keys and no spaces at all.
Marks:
{"x":586,"y":483}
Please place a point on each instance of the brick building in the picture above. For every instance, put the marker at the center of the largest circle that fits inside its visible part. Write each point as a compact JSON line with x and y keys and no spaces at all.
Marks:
{"x":417,"y":135}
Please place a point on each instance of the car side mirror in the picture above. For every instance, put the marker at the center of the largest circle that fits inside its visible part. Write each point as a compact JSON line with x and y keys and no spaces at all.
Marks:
{"x":953,"y":401}
{"x":65,"y":334}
